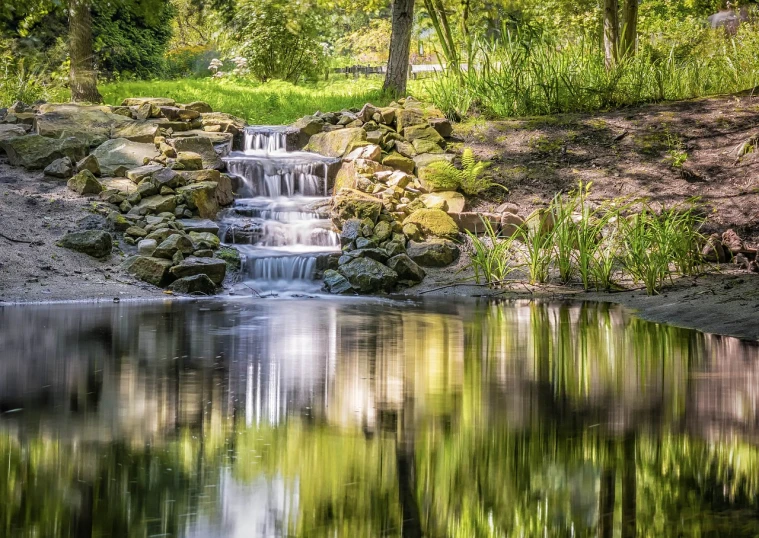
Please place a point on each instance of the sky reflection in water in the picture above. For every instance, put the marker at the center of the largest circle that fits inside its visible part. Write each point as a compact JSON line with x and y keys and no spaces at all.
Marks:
{"x":372,"y":418}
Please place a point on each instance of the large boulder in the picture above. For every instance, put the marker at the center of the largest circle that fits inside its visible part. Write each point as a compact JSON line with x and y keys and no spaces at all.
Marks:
{"x":135,"y":131}
{"x":423,"y":132}
{"x":337,"y":143}
{"x":336,"y":283}
{"x":367,"y":275}
{"x":198,"y":106}
{"x":202,"y":197}
{"x":408,"y":117}
{"x":433,"y":253}
{"x":474,"y":222}
{"x":155,"y":204}
{"x":96,"y":243}
{"x":434,"y":223}
{"x":173,"y":244}
{"x":194,"y":285}
{"x":148,"y":269}
{"x":350,"y":203}
{"x":214,"y":268}
{"x":92,"y":125}
{"x":137,"y":175}
{"x":36,"y":152}
{"x":357,"y":174}
{"x":200,"y":145}
{"x":85,"y":183}
{"x":121,"y":153}
{"x":225,"y":123}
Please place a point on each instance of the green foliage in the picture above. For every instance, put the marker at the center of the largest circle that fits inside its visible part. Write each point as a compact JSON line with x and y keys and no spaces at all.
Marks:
{"x":24,"y":77}
{"x":469,"y":179}
{"x":279,"y":39}
{"x":130,"y":43}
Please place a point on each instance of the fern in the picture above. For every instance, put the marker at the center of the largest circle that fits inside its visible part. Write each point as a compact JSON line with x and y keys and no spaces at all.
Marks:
{"x":469,"y":179}
{"x":442,"y":175}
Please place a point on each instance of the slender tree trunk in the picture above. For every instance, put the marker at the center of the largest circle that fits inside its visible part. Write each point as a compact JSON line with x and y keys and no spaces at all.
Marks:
{"x":611,"y":31}
{"x":82,"y":78}
{"x":400,"y":46}
{"x":630,"y":28}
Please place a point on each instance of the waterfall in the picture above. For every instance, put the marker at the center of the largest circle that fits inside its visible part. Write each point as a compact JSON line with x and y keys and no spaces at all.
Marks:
{"x":278,"y":223}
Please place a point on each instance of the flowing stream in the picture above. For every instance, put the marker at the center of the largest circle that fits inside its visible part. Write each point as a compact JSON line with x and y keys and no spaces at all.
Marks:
{"x":347,"y":417}
{"x":279,"y":222}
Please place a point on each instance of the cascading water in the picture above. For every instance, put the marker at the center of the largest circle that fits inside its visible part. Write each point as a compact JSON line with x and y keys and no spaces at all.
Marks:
{"x":280,"y":223}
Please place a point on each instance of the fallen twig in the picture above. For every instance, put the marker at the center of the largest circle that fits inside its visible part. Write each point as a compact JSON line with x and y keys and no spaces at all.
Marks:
{"x":12,"y":240}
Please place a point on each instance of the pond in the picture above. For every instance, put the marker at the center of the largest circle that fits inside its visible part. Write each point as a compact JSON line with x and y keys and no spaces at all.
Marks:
{"x":367,"y":418}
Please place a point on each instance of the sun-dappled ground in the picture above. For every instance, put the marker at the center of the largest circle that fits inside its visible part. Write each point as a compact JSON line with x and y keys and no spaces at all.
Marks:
{"x":272,"y":103}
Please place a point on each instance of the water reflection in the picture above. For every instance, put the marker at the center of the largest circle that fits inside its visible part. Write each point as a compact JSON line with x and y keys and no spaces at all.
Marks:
{"x":347,"y":418}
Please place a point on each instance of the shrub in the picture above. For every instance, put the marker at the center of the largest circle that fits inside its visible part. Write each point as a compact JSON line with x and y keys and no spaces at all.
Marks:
{"x":469,"y":179}
{"x":278,"y":39}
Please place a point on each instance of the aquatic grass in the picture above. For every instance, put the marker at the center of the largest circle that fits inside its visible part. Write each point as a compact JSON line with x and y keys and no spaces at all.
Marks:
{"x":537,"y":236}
{"x":564,"y":235}
{"x":492,"y":257}
{"x":647,"y":255}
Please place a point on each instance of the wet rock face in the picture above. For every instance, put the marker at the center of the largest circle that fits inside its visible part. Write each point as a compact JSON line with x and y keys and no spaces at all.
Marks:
{"x":194,"y":285}
{"x":368,"y":276}
{"x":35,"y":152}
{"x":433,"y":253}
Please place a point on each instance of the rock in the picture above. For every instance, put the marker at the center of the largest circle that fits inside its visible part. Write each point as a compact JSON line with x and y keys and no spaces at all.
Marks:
{"x":406,"y":268}
{"x":224,"y":193}
{"x":199,"y":225}
{"x":732,"y":242}
{"x":198,"y":106}
{"x":155,"y":204}
{"x":450,"y":201}
{"x":194,"y":285}
{"x":394,"y":248}
{"x":399,"y":162}
{"x":510,"y":224}
{"x":350,"y":232}
{"x":178,"y":114}
{"x":146,"y":247}
{"x":408,"y":117}
{"x":202,"y":197}
{"x":507,"y":207}
{"x":144,"y":111}
{"x":90,"y":162}
{"x":136,"y":231}
{"x":382,"y":231}
{"x":166,"y":177}
{"x":135,"y":131}
{"x":148,"y":269}
{"x":412,"y":231}
{"x":337,"y":143}
{"x":350,"y":203}
{"x":173,"y":244}
{"x":433,"y":253}
{"x":62,"y":168}
{"x":367,"y":112}
{"x":189,"y":160}
{"x":427,"y":159}
{"x":201,"y":146}
{"x":713,"y":250}
{"x":215,"y":269}
{"x":137,"y":175}
{"x":121,"y":152}
{"x":434,"y":222}
{"x":354,"y":174}
{"x":372,"y":152}
{"x":11,"y":131}
{"x":91,"y":125}
{"x":231,"y":257}
{"x":336,"y":283}
{"x":160,"y":235}
{"x":307,"y":126}
{"x":118,"y":222}
{"x":154,"y":101}
{"x":36,"y":152}
{"x":422,"y":145}
{"x":473,"y":222}
{"x":204,"y":240}
{"x":95,"y":243}
{"x":85,"y":183}
{"x":367,"y":275}
{"x":442,"y":126}
{"x":227,"y":123}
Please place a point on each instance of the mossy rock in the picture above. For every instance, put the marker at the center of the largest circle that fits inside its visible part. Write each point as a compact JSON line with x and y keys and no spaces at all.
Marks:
{"x":35,"y":152}
{"x":231,"y":256}
{"x":85,"y":183}
{"x":350,"y":203}
{"x":433,"y":253}
{"x":399,"y":162}
{"x":95,"y":243}
{"x":337,"y":143}
{"x":434,"y":223}
{"x":148,"y":269}
{"x":202,"y":197}
{"x":423,"y":132}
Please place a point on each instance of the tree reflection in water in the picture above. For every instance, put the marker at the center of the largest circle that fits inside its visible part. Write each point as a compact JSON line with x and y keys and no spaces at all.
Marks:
{"x":372,"y":418}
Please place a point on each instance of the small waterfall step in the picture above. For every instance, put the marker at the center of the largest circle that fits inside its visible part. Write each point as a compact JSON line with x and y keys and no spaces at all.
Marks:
{"x":280,"y":224}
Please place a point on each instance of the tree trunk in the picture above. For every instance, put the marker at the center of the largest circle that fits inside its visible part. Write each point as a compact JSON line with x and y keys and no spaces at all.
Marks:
{"x":400,"y":47}
{"x":82,"y":77}
{"x":611,"y":32}
{"x":630,"y":28}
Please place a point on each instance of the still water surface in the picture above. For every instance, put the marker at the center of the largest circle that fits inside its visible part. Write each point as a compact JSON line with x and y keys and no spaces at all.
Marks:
{"x":346,"y":418}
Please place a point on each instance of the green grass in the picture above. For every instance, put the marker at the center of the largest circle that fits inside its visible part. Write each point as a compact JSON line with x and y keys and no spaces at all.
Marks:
{"x":272,"y":103}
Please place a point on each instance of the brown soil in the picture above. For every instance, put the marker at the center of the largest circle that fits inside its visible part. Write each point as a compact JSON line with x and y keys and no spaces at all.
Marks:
{"x":627,"y":153}
{"x":35,"y":212}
